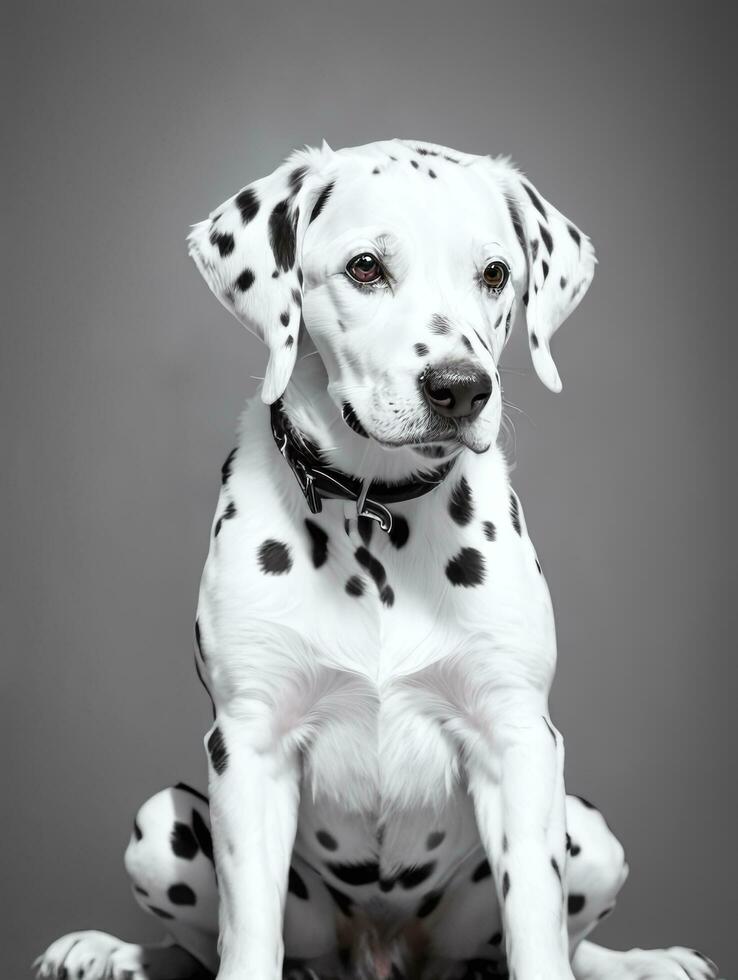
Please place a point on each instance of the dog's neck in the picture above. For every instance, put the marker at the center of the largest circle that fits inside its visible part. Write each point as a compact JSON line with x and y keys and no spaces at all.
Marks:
{"x":312,"y":412}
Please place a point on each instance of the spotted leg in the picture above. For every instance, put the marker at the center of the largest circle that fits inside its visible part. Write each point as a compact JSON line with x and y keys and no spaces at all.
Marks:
{"x":465,"y":928}
{"x":254,"y":796}
{"x":170,"y":863}
{"x":517,"y":784}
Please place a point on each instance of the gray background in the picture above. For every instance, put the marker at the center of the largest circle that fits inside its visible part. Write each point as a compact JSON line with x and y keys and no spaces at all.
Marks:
{"x":122,"y":379}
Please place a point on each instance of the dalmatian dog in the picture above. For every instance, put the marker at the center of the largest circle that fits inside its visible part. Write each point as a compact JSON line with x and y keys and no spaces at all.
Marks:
{"x":386,"y":785}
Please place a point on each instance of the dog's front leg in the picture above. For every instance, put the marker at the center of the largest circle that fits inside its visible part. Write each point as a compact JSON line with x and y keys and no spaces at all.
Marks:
{"x":254,"y":795}
{"x":517,"y":784}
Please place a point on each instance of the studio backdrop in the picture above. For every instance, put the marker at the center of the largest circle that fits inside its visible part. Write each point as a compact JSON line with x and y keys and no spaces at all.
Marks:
{"x":122,"y":381}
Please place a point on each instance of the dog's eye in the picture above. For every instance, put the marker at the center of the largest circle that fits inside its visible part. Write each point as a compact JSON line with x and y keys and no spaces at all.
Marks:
{"x":364,"y":268}
{"x":496,"y":275}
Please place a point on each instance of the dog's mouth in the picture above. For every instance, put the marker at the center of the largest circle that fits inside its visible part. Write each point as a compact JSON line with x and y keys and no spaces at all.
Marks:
{"x":441,"y":438}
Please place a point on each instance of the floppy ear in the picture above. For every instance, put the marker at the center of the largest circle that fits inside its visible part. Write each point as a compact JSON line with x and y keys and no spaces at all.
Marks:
{"x":560,"y":264}
{"x":249,"y":253}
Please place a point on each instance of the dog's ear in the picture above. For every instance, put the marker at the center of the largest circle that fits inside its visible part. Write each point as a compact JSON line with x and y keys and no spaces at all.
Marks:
{"x":560,"y":263}
{"x":249,"y":253}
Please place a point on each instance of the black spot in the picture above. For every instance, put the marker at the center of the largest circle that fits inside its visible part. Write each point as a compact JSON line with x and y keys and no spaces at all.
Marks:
{"x":504,"y":843}
{"x":505,"y":885}
{"x":568,"y":842}
{"x":246,"y":280}
{"x":606,"y":912}
{"x":466,"y":568}
{"x":343,"y":902}
{"x":421,"y":350}
{"x":160,"y":912}
{"x":225,"y":243}
{"x":574,"y":234}
{"x":461,"y":505}
{"x":517,"y":224}
{"x":375,"y":568}
{"x":141,"y":891}
{"x":490,"y":531}
{"x":376,"y":170}
{"x":548,"y":726}
{"x":574,"y":850}
{"x":326,"y":840}
{"x":525,"y":298}
{"x":421,"y":150}
{"x":435,"y":839}
{"x":274,"y":557}
{"x":296,"y":885}
{"x":590,"y":806}
{"x":282,"y":235}
{"x":515,"y":514}
{"x":481,"y":871}
{"x":183,"y":841}
{"x":547,"y":240}
{"x":296,"y":297}
{"x":296,"y":178}
{"x":356,"y":874}
{"x":290,"y":341}
{"x":299,"y":277}
{"x":137,"y":832}
{"x":414,"y":163}
{"x":387,"y":596}
{"x":538,"y":566}
{"x":320,"y":203}
{"x":575,"y":904}
{"x":537,"y":204}
{"x":352,"y":420}
{"x":318,"y":541}
{"x":227,"y":467}
{"x":496,"y":939}
{"x":508,"y":323}
{"x":366,"y":526}
{"x":399,"y":532}
{"x":440,"y":324}
{"x":217,"y":751}
{"x":227,"y":514}
{"x":248,"y":204}
{"x":188,"y":789}
{"x":431,"y":173}
{"x":355,"y":586}
{"x":202,"y":833}
{"x":468,"y":344}
{"x":275,"y":274}
{"x":534,"y":248}
{"x":412,"y":877}
{"x":544,"y":266}
{"x":555,"y":866}
{"x":429,"y":904}
{"x":284,"y":318}
{"x":181,"y":894}
{"x":562,"y":282}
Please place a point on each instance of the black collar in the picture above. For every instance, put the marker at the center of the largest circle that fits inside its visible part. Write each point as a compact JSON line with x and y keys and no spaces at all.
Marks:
{"x":319,"y":482}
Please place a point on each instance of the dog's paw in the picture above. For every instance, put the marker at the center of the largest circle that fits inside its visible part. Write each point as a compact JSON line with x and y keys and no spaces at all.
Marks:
{"x":81,"y":956}
{"x":661,"y":964}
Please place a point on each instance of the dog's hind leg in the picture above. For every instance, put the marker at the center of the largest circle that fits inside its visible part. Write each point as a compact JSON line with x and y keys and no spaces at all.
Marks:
{"x":170,"y":865}
{"x":595,"y":872}
{"x":169,"y":860}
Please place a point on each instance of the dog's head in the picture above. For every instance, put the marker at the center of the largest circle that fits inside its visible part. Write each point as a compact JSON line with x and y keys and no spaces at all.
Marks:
{"x":406,"y":263}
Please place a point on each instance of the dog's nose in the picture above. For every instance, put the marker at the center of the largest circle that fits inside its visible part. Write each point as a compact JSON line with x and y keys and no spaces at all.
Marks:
{"x":457,"y":391}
